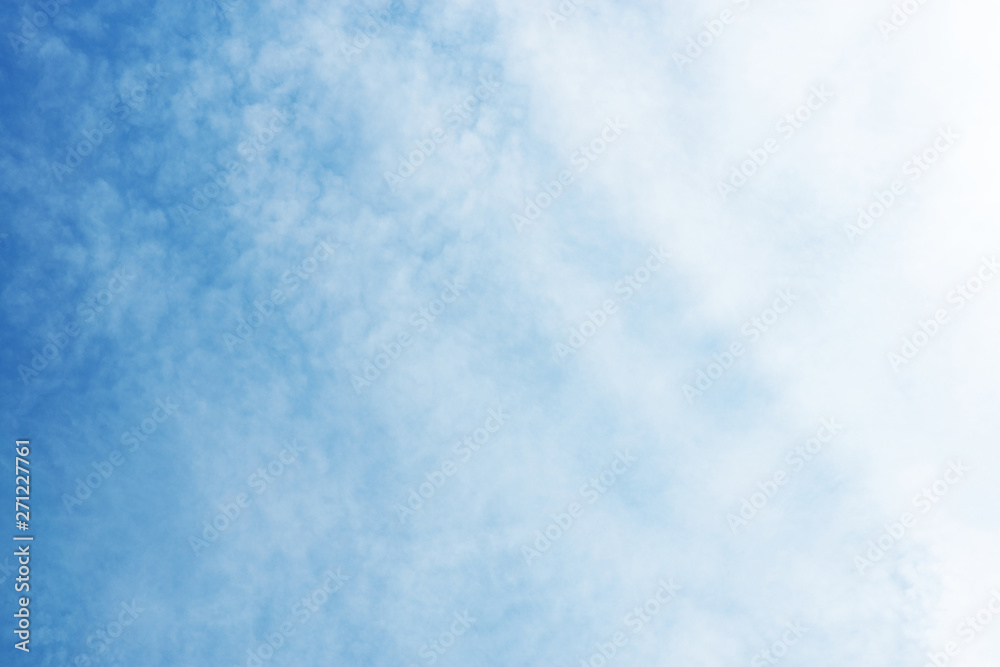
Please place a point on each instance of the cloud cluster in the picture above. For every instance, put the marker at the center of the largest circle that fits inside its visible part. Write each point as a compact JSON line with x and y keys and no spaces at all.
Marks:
{"x":532,"y":163}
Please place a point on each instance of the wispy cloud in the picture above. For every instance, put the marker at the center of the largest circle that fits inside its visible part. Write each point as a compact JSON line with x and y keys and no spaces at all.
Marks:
{"x":475,"y":258}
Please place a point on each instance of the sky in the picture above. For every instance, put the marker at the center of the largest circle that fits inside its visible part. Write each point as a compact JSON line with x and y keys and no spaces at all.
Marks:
{"x":557,"y":333}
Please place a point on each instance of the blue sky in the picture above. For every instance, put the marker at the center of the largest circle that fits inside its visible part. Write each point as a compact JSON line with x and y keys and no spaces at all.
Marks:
{"x":320,"y":318}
